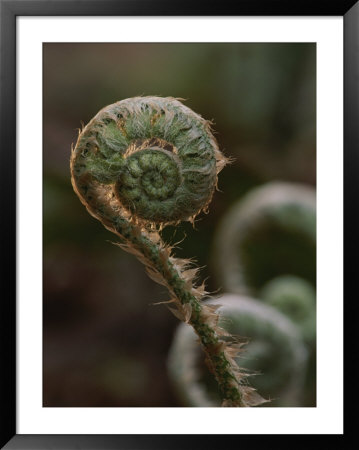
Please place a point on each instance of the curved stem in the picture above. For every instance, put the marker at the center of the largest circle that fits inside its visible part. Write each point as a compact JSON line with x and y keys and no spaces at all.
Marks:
{"x":157,"y":258}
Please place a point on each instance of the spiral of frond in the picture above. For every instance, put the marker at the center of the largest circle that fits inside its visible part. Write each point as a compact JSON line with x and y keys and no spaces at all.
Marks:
{"x":153,"y":158}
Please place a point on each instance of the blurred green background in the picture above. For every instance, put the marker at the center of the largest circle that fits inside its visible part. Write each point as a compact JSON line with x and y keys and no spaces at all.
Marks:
{"x":104,"y":343}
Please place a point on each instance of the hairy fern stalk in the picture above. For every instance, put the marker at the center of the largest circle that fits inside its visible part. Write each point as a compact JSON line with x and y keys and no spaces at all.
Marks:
{"x":143,"y":163}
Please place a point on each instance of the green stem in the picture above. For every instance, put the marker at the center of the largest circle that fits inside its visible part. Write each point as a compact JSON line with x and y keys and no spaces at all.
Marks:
{"x":219,"y":363}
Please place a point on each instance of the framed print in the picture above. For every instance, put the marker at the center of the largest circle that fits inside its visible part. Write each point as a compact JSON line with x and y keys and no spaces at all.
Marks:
{"x":208,"y":144}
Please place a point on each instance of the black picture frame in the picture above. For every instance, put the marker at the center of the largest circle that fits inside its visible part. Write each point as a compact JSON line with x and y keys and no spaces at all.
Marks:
{"x":9,"y":10}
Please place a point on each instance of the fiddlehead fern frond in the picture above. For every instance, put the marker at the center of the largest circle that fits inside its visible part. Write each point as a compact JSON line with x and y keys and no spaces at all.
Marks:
{"x":143,"y":163}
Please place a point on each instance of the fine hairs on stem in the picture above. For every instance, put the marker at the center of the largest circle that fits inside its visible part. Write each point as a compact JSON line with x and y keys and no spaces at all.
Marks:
{"x":139,"y":165}
{"x":275,"y":354}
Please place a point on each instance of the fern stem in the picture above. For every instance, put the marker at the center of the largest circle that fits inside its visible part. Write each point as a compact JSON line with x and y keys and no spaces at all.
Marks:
{"x":219,"y":363}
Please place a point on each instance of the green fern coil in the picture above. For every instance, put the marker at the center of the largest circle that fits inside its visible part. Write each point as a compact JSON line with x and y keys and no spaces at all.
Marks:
{"x":143,"y":163}
{"x":154,"y":158}
{"x":268,"y":233}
